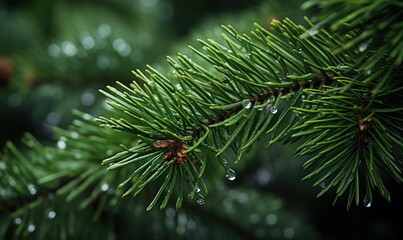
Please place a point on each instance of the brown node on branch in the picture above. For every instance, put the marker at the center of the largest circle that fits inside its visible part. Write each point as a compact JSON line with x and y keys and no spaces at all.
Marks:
{"x":176,"y":150}
{"x":364,"y":128}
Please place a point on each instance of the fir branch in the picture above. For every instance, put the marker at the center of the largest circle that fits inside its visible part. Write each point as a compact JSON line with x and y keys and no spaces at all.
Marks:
{"x":199,"y":110}
{"x":256,"y":74}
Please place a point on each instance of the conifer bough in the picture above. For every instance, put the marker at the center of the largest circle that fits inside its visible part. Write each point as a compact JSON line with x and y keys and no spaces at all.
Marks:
{"x":287,"y":83}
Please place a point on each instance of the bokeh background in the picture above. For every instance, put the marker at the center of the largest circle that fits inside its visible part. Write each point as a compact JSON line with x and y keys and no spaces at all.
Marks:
{"x":55,"y":55}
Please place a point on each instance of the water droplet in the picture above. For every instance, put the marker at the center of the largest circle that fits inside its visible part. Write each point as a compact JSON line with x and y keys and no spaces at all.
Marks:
{"x":12,"y":182}
{"x":69,"y":48}
{"x":17,"y":221}
{"x":105,"y":187}
{"x":263,"y":176}
{"x":53,"y":118}
{"x":51,"y":214}
{"x":31,"y":227}
{"x":104,"y":30}
{"x":313,"y":31}
{"x":231,"y":175}
{"x":274,"y":109}
{"x":200,"y":199}
{"x":53,"y":50}
{"x":363,"y":47}
{"x":322,"y":185}
{"x":369,"y":72}
{"x":170,"y":213}
{"x":74,"y":135}
{"x":109,"y":152}
{"x":269,"y":107}
{"x":121,"y":47}
{"x":87,"y":41}
{"x":61,"y":143}
{"x":246,"y":104}
{"x":300,"y":50}
{"x":300,"y":115}
{"x":271,"y":219}
{"x":182,"y":219}
{"x":32,"y":189}
{"x":88,"y":98}
{"x":288,"y":233}
{"x":179,"y":87}
{"x":198,"y":190}
{"x":367,"y":203}
{"x":118,"y":44}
